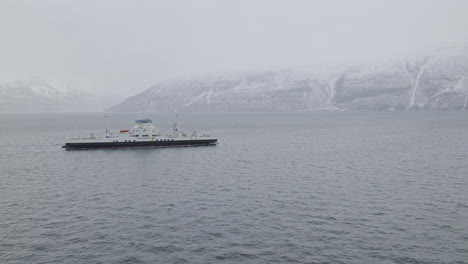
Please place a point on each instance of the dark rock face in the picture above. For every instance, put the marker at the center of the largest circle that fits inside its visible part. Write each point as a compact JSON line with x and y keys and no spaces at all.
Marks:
{"x":436,"y":81}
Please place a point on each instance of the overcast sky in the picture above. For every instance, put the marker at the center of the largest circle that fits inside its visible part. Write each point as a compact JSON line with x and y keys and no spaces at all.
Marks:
{"x":127,"y":46}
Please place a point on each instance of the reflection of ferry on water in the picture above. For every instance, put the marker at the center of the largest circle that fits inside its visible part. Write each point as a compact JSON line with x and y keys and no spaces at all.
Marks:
{"x":143,"y":134}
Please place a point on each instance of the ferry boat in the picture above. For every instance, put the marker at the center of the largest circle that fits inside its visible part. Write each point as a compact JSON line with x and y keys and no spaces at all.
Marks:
{"x":143,"y":134}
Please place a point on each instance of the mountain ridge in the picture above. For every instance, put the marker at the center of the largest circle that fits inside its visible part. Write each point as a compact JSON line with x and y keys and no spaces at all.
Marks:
{"x":438,"y":80}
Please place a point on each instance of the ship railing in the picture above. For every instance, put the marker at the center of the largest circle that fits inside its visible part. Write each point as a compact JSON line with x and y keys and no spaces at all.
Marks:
{"x":81,"y":138}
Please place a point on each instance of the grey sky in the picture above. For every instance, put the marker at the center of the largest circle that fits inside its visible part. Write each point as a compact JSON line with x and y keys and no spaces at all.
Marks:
{"x":126,"y":46}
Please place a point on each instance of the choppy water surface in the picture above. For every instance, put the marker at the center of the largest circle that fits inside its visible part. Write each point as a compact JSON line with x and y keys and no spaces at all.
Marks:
{"x":279,"y":188}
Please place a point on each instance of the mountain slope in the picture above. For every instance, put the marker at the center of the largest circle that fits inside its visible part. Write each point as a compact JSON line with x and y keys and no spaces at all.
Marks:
{"x":436,"y":81}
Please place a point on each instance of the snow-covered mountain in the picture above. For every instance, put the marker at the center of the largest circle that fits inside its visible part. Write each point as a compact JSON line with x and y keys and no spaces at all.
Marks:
{"x":37,"y":95}
{"x":438,"y":80}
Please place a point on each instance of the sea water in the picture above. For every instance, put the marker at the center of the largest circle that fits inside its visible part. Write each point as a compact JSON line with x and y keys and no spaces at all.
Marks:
{"x":323,"y":187}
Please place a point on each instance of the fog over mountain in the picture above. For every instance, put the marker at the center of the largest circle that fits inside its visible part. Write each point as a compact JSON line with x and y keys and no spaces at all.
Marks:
{"x":121,"y":47}
{"x":199,"y":55}
{"x":438,"y":80}
{"x":38,"y":95}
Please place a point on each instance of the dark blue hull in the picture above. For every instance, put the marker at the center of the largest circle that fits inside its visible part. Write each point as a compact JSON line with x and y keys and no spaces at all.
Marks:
{"x":140,"y":144}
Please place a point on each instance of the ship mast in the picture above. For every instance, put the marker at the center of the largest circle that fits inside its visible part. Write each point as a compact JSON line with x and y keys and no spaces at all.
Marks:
{"x":107,"y":124}
{"x":175,"y":126}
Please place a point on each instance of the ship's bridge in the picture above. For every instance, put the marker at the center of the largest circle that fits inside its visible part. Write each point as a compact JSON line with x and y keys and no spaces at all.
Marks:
{"x":143,"y":121}
{"x":144,"y":127}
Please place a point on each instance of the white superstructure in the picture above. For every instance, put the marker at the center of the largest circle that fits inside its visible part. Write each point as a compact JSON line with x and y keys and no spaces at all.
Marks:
{"x":143,"y":131}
